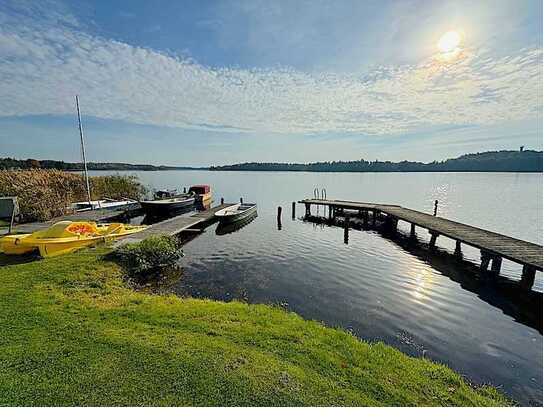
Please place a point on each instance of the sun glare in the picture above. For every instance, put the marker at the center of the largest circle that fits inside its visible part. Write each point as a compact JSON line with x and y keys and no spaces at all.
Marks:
{"x":449,"y":42}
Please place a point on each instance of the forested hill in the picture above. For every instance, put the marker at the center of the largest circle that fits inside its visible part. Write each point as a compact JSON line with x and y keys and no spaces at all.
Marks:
{"x":491,"y":161}
{"x":7,"y":163}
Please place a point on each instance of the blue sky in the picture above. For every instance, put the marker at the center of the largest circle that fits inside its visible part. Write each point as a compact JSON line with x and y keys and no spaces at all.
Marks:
{"x":212,"y":82}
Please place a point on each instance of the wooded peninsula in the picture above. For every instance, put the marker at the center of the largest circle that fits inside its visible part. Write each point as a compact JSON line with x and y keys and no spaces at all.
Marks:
{"x":490,"y":161}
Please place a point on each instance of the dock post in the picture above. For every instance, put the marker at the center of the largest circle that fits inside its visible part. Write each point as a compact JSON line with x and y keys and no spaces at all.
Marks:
{"x":391,"y":224}
{"x":222,"y":201}
{"x":435,"y":207}
{"x":307,"y":209}
{"x":241,"y":201}
{"x":184,"y":190}
{"x":485,"y":260}
{"x":433,"y":239}
{"x":293,"y":210}
{"x":346,"y":229}
{"x":413,"y":234}
{"x":365,"y":218}
{"x":496,"y":266}
{"x":528,"y":277}
{"x":279,"y":211}
{"x":458,"y":249}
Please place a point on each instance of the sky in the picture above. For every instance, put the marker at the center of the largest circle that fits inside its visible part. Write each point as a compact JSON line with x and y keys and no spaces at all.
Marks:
{"x":218,"y":82}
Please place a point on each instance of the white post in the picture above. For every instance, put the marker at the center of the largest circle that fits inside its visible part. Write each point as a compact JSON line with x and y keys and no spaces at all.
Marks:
{"x":83,"y":150}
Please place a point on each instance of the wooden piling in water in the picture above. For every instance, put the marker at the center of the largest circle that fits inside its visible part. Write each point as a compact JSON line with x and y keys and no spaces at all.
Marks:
{"x":293,"y":210}
{"x":485,"y":260}
{"x":496,"y":266}
{"x":433,"y":239}
{"x":458,"y":249}
{"x":365,"y":217}
{"x":528,"y":277}
{"x":222,"y":201}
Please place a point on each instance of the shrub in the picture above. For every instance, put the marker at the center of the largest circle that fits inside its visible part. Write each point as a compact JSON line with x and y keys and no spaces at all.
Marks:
{"x":42,"y":194}
{"x":45,"y":194}
{"x":117,"y":187}
{"x":149,"y":255}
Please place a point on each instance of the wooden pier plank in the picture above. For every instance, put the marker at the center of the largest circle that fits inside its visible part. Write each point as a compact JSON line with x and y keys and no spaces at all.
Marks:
{"x":516,"y":250}
{"x":173,"y":226}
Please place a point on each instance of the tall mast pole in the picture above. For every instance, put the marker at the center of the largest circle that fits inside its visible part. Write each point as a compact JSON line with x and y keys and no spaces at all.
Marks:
{"x":83,"y":150}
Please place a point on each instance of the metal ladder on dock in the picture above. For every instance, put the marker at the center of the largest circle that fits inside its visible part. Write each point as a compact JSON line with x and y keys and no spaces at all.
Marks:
{"x":321,"y":195}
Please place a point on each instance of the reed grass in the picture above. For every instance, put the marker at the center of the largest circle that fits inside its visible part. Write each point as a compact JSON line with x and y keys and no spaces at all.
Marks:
{"x":45,"y":194}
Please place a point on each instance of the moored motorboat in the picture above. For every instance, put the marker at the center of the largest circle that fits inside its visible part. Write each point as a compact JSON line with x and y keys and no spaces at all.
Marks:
{"x":236,"y":213}
{"x":167,"y":203}
{"x":65,"y":237}
{"x":203,"y":195}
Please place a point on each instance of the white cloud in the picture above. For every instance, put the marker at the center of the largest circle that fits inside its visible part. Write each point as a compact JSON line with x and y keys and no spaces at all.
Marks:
{"x":42,"y":67}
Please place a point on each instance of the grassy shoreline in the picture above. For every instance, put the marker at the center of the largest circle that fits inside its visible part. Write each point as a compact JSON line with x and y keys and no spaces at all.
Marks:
{"x":74,"y":333}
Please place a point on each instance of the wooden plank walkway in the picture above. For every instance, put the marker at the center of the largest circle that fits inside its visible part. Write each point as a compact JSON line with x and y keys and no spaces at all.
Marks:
{"x":493,"y":246}
{"x":174,"y":226}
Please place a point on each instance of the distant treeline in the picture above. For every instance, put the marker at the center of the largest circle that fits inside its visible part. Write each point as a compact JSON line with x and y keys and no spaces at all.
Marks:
{"x":491,"y":161}
{"x":11,"y":163}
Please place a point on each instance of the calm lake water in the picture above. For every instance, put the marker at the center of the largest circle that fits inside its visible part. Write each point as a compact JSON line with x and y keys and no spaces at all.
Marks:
{"x":380,"y":289}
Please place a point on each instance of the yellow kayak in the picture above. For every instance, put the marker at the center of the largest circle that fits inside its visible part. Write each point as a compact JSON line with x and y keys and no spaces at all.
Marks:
{"x":65,"y":237}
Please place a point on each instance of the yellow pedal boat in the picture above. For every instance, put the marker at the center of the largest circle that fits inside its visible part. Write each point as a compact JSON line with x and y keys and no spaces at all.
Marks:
{"x":65,"y":237}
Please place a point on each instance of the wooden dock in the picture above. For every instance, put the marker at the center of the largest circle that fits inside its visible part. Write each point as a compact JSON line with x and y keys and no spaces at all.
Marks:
{"x":175,"y":225}
{"x":493,"y":246}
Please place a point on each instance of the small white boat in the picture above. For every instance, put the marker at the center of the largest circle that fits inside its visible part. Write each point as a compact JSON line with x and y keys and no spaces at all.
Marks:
{"x":236,"y":212}
{"x":101,"y":204}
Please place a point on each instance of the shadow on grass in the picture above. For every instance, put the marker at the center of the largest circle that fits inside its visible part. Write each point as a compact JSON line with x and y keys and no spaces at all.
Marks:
{"x":6,"y":260}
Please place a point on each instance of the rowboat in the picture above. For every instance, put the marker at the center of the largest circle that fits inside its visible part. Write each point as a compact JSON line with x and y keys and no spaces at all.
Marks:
{"x":65,"y":237}
{"x":236,"y":213}
{"x":203,"y":195}
{"x":226,"y":228}
{"x":167,"y":203}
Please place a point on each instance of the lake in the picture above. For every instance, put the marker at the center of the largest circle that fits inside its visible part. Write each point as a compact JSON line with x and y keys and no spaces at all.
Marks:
{"x":427,"y":305}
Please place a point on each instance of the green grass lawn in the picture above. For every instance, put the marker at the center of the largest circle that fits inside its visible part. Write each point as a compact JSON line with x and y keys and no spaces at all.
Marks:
{"x":73,"y":333}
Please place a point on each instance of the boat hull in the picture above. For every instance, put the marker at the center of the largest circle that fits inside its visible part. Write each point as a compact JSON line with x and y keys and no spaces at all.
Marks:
{"x":231,"y":227}
{"x":226,"y":218}
{"x":165,"y":208}
{"x":65,"y":237}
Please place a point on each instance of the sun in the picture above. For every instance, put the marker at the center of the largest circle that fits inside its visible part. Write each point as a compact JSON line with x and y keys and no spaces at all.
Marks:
{"x":449,"y":42}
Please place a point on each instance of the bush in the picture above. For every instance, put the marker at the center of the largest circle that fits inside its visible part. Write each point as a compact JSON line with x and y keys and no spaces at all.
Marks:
{"x":117,"y":187}
{"x":45,"y":194}
{"x":149,"y":255}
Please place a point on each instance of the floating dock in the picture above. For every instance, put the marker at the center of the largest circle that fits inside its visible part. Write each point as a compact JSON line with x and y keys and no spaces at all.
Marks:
{"x":176,"y":225}
{"x":493,"y":246}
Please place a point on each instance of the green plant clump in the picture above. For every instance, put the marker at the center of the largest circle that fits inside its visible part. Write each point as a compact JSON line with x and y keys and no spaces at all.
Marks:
{"x":150,"y":254}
